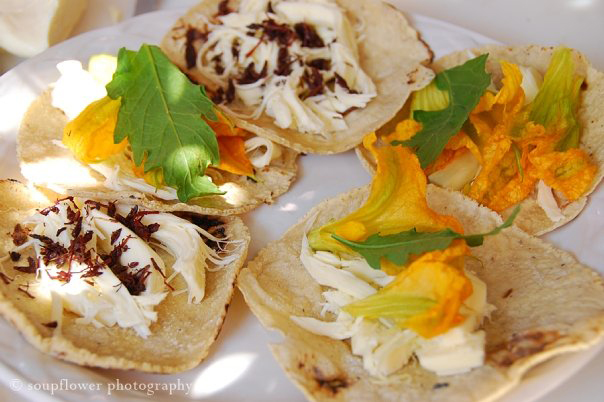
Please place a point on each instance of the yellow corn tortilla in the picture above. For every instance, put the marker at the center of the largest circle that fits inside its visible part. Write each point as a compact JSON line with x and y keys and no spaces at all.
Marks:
{"x":390,"y":52}
{"x":547,"y":303}
{"x":45,"y":161}
{"x":532,"y":218}
{"x":180,"y":339}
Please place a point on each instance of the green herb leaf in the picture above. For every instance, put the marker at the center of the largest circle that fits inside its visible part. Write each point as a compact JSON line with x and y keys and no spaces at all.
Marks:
{"x":477,"y":239}
{"x":397,"y":247}
{"x":465,"y":85}
{"x":161,"y":115}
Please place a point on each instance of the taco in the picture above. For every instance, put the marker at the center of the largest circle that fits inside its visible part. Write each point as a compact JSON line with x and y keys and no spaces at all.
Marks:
{"x":167,"y":148}
{"x":531,"y":135}
{"x":315,"y":76}
{"x":113,"y":285}
{"x":380,"y":298}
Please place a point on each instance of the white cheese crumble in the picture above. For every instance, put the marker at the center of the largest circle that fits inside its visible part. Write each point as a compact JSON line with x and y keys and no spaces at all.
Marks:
{"x":384,"y":347}
{"x":297,"y":61}
{"x":75,"y":89}
{"x":531,"y":82}
{"x":547,"y":202}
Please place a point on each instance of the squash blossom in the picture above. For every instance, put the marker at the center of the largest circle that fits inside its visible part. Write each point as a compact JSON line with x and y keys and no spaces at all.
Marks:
{"x":428,"y":291}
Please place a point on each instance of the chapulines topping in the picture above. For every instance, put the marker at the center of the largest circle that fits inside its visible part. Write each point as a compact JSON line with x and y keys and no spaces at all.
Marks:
{"x":19,"y":235}
{"x":213,"y":226}
{"x":320,"y":64}
{"x":158,"y":269}
{"x":342,"y":82}
{"x":31,"y":268}
{"x":313,"y":80}
{"x":191,"y":37}
{"x":283,"y":62}
{"x":350,"y":109}
{"x":230,"y":92}
{"x":112,"y":259}
{"x":133,"y":281}
{"x":223,"y":8}
{"x":5,"y":278}
{"x":227,"y":96}
{"x":47,"y":210}
{"x":218,"y":67}
{"x":308,"y":35}
{"x":115,"y":235}
{"x":54,"y":252}
{"x":62,"y":276}
{"x":95,"y":268}
{"x":25,"y":289}
{"x":250,"y":75}
{"x":133,"y":222}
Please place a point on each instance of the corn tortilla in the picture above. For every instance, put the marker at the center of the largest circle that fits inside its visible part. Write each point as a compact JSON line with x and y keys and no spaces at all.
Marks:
{"x":46,"y":162}
{"x":391,"y":53}
{"x":547,"y":303}
{"x":180,"y":339}
{"x":532,"y":218}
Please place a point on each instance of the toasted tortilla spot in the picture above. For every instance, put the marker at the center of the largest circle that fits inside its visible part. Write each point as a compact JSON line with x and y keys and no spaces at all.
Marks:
{"x":44,"y":161}
{"x":557,"y":307}
{"x":522,"y":345}
{"x":332,"y":384}
{"x":532,"y":218}
{"x":391,"y":53}
{"x":179,"y":340}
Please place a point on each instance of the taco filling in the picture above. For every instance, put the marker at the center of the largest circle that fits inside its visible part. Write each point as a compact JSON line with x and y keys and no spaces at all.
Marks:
{"x":500,"y":142}
{"x":395,"y":276}
{"x":175,"y":145}
{"x":296,"y":61}
{"x":102,"y":261}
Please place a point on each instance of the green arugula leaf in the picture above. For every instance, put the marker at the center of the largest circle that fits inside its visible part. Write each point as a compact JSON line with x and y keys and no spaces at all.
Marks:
{"x":397,"y":247}
{"x":465,"y":85}
{"x":161,"y":115}
{"x":477,"y":239}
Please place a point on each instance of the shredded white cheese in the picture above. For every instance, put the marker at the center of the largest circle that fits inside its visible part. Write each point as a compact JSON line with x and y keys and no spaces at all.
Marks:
{"x":100,"y":297}
{"x":75,"y":89}
{"x":119,"y":177}
{"x":547,"y":202}
{"x":297,"y":61}
{"x":384,"y":347}
{"x":261,"y":151}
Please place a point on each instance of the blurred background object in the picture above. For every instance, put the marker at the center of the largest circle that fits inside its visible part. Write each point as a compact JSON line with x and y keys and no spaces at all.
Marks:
{"x":574,"y":23}
{"x":28,"y":27}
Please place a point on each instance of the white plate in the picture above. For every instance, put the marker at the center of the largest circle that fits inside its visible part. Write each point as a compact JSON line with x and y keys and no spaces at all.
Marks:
{"x":240,"y":366}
